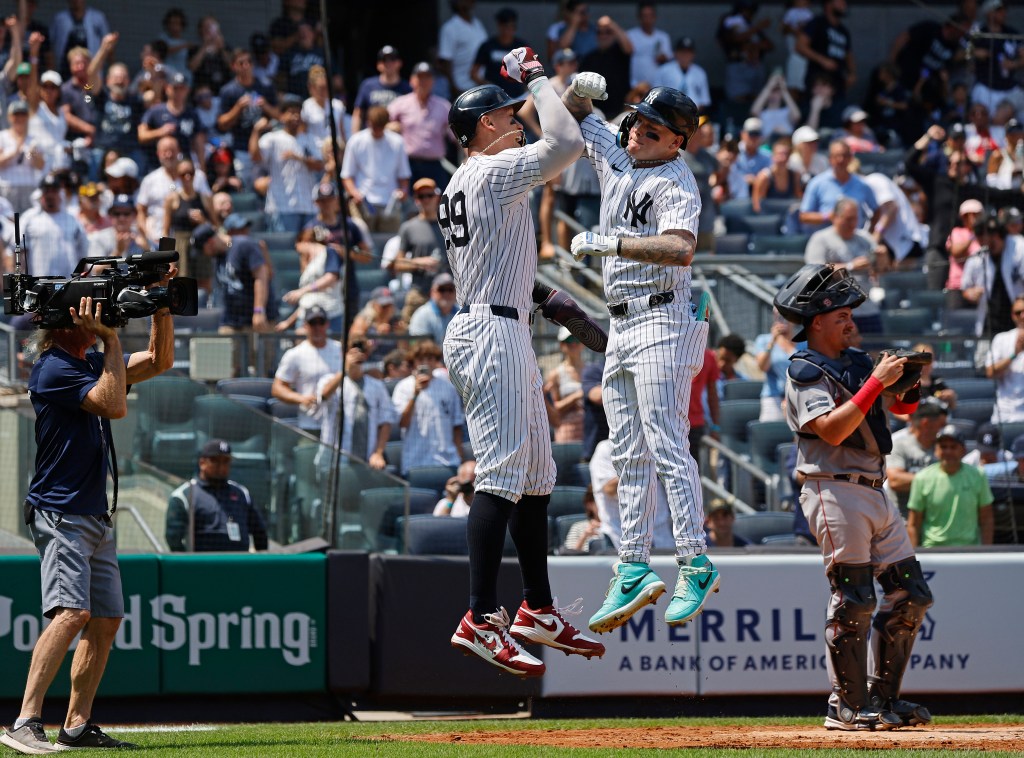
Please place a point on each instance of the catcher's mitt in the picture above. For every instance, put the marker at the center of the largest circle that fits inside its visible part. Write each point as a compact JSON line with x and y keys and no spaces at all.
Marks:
{"x":916,"y":360}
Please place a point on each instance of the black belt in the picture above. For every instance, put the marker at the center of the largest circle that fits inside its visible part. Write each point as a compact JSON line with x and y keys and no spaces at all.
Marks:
{"x":505,"y":311}
{"x":862,"y":480}
{"x":659,"y":298}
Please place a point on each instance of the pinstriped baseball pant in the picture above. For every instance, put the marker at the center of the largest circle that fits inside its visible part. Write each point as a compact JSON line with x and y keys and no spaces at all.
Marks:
{"x":652,"y":358}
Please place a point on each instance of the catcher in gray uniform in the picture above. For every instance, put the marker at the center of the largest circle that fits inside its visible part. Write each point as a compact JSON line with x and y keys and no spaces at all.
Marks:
{"x":835,"y":403}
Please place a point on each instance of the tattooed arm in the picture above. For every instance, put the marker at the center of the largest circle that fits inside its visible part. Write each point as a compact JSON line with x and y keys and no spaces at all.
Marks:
{"x":673,"y":248}
{"x":578,"y":107}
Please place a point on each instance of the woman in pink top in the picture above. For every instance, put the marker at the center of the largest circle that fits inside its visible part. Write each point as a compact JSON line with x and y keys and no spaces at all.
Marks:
{"x":962,"y":243}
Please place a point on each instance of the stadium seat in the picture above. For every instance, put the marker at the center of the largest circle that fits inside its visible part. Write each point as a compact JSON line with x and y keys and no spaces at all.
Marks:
{"x":779,"y":244}
{"x":733,"y":416}
{"x":393,"y":453}
{"x":255,"y":402}
{"x":922,"y":298}
{"x":1010,"y":431}
{"x":965,"y":425}
{"x":742,"y":389}
{"x":216,"y":416}
{"x":246,"y":385}
{"x":567,"y":455}
{"x":205,"y":320}
{"x":374,"y":507}
{"x":736,"y":208}
{"x":908,"y":322}
{"x":430,"y":477}
{"x":904,"y":281}
{"x":246,"y":201}
{"x":277,"y":240}
{"x":754,"y":224}
{"x":566,"y":500}
{"x":958,"y":321}
{"x":754,"y":527}
{"x":732,"y":244}
{"x":583,"y":474}
{"x":371,"y":278}
{"x":765,"y":437}
{"x":972,"y":389}
{"x":287,"y":412}
{"x":430,"y":535}
{"x":307,"y":499}
{"x":779,"y":205}
{"x":889,"y":163}
{"x":165,"y":433}
{"x":979,"y":411}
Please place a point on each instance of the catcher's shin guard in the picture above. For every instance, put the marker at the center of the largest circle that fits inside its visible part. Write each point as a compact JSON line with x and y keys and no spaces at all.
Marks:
{"x":896,"y":630}
{"x":846,"y":632}
{"x":558,"y":307}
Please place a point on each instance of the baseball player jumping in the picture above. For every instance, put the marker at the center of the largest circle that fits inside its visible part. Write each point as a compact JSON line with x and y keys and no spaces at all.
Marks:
{"x":649,"y":210}
{"x":488,"y":230}
{"x":835,"y":403}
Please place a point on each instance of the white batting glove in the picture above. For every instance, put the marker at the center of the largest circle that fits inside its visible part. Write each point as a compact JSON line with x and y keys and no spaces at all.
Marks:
{"x":590,"y":85}
{"x":598,"y":245}
{"x":521,"y":65}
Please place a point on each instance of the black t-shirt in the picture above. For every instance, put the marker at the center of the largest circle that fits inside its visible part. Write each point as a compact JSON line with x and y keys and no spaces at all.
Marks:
{"x":595,"y":421}
{"x":490,"y":55}
{"x":926,"y":53}
{"x":235,"y":276}
{"x":213,"y":71}
{"x":613,"y":65}
{"x":992,"y":75}
{"x":832,"y":42}
{"x":188,"y":121}
{"x":230,"y":94}
{"x":296,"y":64}
{"x":116,"y":129}
{"x":81,"y":106}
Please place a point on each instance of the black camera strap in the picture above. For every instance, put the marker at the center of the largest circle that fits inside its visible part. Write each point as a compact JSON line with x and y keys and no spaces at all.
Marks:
{"x":111,"y":455}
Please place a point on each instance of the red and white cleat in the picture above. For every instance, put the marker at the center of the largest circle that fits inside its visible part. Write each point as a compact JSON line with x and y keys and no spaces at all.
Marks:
{"x":492,"y":642}
{"x":547,"y":626}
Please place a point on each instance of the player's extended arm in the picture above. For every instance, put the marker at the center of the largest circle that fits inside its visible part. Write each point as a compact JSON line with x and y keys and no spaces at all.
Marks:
{"x":673,"y":248}
{"x":562,"y":141}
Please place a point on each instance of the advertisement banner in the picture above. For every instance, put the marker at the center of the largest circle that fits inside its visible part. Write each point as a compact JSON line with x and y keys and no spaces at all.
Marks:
{"x":763,"y":633}
{"x":247,"y":623}
{"x":134,"y":665}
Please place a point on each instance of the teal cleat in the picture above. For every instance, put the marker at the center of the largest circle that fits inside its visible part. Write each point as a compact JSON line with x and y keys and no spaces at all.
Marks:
{"x":633,"y":587}
{"x":697,"y":579}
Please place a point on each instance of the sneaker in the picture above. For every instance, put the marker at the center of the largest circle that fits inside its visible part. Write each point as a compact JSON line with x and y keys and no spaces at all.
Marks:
{"x":28,"y":739}
{"x":697,"y":579}
{"x":910,"y":714}
{"x":91,"y":737}
{"x":633,"y":587}
{"x":547,"y":626}
{"x":492,"y":642}
{"x":849,"y":719}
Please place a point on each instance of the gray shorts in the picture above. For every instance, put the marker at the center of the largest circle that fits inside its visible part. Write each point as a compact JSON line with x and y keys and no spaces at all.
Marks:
{"x":79,"y":563}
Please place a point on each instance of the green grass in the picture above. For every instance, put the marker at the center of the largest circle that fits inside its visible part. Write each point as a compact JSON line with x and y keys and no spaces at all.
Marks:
{"x":357,"y":739}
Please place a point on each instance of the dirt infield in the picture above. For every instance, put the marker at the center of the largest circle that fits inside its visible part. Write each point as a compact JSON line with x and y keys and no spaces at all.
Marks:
{"x":993,"y":737}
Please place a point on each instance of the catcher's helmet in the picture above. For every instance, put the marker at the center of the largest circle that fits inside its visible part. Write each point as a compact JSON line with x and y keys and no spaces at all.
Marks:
{"x":472,"y":104}
{"x":815,"y":289}
{"x":666,"y":106}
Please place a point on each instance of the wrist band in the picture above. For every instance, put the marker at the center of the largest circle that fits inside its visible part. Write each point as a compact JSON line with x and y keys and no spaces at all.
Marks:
{"x":535,"y":84}
{"x":867,"y":394}
{"x":257,"y":310}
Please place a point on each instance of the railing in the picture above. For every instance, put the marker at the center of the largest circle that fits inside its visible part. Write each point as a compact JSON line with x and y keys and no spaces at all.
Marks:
{"x":771,"y":482}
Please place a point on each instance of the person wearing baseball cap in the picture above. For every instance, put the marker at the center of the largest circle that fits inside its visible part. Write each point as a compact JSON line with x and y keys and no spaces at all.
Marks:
{"x":682,"y":73}
{"x":950,"y":504}
{"x":212,"y":512}
{"x":25,"y":156}
{"x":962,"y":243}
{"x":913,"y":447}
{"x":750,"y":161}
{"x":304,"y":365}
{"x":380,"y":89}
{"x":806,"y":159}
{"x":719,"y":519}
{"x":420,"y":255}
{"x":432,"y":318}
{"x":249,"y":303}
{"x":423,"y":118}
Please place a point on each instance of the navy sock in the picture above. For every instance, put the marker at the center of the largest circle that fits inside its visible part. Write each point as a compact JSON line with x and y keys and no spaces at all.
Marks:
{"x":528,"y":526}
{"x":485,"y":530}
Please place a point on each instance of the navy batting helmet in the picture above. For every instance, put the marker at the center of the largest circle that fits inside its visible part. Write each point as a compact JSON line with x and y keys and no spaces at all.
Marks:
{"x":815,"y":289}
{"x":668,"y":107}
{"x":474,"y":103}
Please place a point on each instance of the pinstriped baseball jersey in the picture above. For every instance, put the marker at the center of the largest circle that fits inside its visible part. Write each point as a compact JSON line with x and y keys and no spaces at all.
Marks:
{"x":488,"y":229}
{"x":640,"y":202}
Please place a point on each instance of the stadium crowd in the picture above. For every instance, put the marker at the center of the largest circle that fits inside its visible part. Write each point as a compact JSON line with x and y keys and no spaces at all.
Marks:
{"x":227,"y":148}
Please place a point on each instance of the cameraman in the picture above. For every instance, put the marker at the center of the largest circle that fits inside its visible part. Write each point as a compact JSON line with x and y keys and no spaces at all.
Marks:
{"x":75,"y":393}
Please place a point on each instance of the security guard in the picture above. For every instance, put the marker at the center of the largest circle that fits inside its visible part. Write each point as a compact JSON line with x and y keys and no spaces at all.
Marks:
{"x":835,"y":403}
{"x":223,"y":515}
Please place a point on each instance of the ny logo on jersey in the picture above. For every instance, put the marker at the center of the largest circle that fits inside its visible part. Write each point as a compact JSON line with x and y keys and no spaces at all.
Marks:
{"x":637,"y":208}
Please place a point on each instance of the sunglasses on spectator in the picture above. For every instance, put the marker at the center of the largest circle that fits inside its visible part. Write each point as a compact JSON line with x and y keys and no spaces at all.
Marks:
{"x":189,"y":174}
{"x":1018,"y":313}
{"x":425,"y":195}
{"x":316,"y":322}
{"x":447,"y":288}
{"x":121,"y":213}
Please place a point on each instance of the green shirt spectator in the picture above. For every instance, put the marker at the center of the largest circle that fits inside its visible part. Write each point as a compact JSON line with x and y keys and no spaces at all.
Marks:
{"x":950,"y":504}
